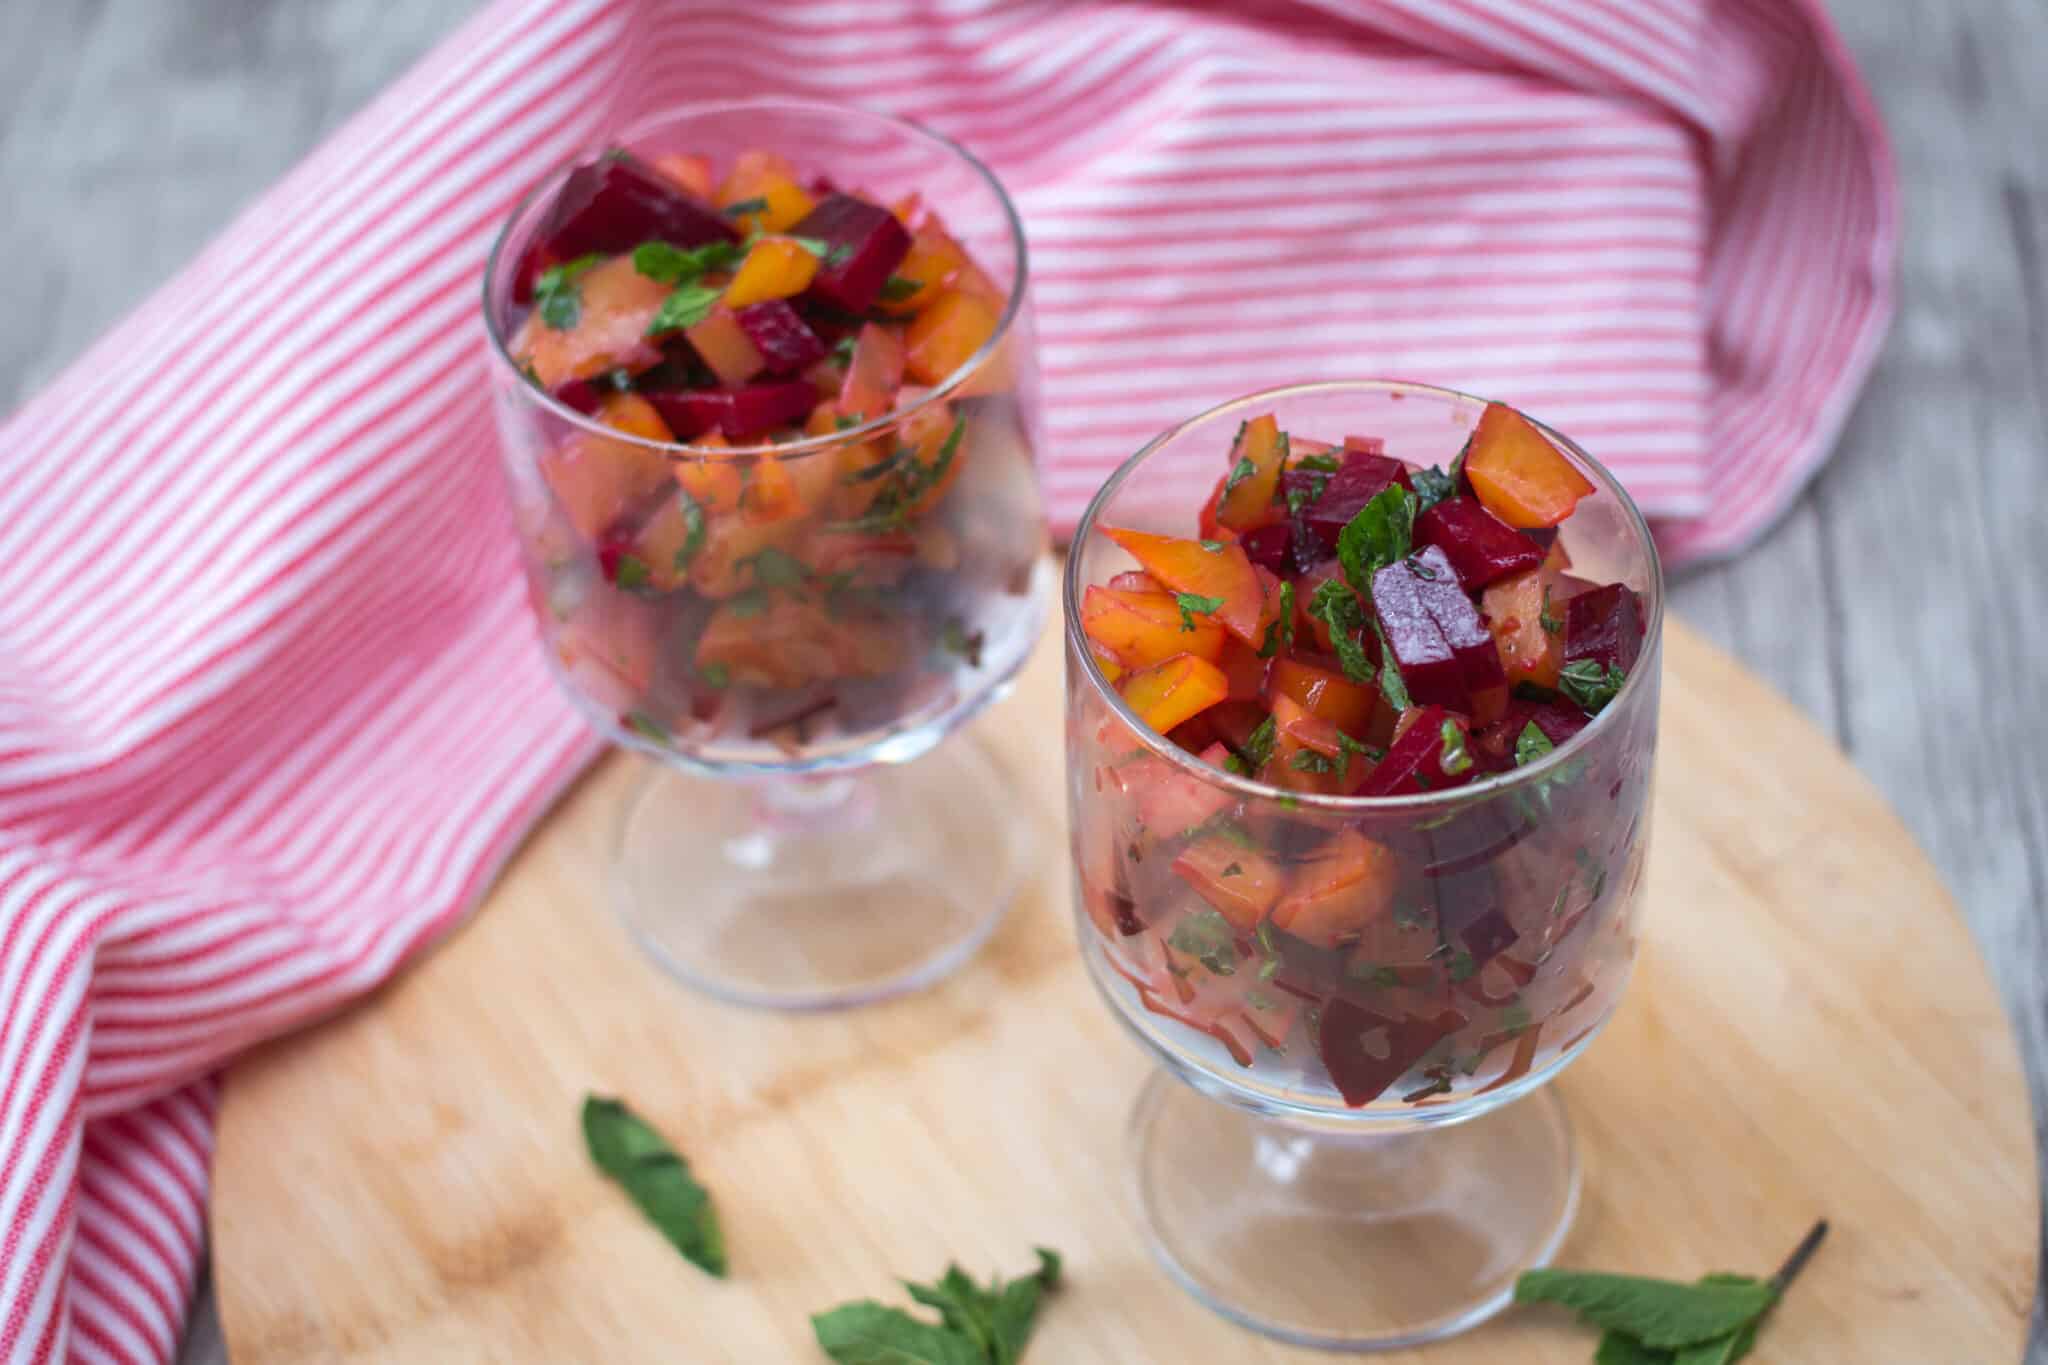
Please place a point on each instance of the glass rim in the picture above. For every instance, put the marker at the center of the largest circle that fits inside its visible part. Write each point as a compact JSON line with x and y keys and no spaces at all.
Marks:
{"x":1250,"y":788}
{"x":1014,"y":223}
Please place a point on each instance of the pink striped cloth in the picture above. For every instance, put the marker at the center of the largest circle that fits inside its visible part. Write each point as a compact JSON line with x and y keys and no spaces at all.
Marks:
{"x":270,"y":712}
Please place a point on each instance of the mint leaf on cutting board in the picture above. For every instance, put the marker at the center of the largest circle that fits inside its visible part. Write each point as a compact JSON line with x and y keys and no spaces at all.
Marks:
{"x":655,"y":1176}
{"x":1660,"y":1313}
{"x":977,"y":1325}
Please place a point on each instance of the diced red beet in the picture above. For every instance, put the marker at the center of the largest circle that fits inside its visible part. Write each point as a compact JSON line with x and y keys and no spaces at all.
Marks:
{"x":1494,"y":746}
{"x":1430,"y":666}
{"x":1362,"y":477}
{"x":1604,"y":625}
{"x":614,"y":204}
{"x":864,"y":243}
{"x":1365,"y":1051}
{"x":1267,"y":546}
{"x":1415,"y":761}
{"x":580,"y":394}
{"x":751,"y":410}
{"x":760,"y":408}
{"x":1463,"y":629}
{"x":612,"y":549}
{"x":782,"y":338}
{"x":1480,"y":546}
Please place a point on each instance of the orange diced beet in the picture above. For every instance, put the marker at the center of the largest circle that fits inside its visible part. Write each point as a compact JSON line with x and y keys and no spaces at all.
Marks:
{"x":771,"y":493}
{"x":715,"y":484}
{"x":1258,"y":453}
{"x":929,"y":435}
{"x":1307,"y":755}
{"x":598,"y":481}
{"x":1334,"y":897}
{"x":932,"y":263}
{"x":776,"y":268}
{"x":1166,"y":694}
{"x":724,"y":566}
{"x":1518,"y":474}
{"x":1240,"y":882}
{"x":1526,"y":614}
{"x":1323,"y":692}
{"x":1170,"y":802}
{"x":1111,"y":669}
{"x":1145,"y":628}
{"x":790,"y":644}
{"x":616,"y":304}
{"x":1186,"y":566}
{"x":723,"y":345}
{"x":946,"y":334}
{"x":764,"y":175}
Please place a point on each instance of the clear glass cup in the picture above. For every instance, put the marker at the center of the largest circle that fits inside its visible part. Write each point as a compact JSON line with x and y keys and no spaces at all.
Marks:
{"x":797,"y":839}
{"x":1347,"y":1164}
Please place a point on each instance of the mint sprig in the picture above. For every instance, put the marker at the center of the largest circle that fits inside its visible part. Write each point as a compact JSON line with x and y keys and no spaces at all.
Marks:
{"x":655,"y":1176}
{"x":978,"y":1325}
{"x":1712,"y":1321}
{"x":1190,"y":603}
{"x":1382,"y":532}
{"x":1586,"y":683}
{"x":1337,"y":607}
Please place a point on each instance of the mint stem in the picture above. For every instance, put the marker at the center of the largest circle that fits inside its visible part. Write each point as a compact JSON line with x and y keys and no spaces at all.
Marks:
{"x":1801,"y":1254}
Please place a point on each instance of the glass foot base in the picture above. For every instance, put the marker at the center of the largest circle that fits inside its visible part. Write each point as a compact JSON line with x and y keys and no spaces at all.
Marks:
{"x":820,"y":892}
{"x":1349,"y":1240}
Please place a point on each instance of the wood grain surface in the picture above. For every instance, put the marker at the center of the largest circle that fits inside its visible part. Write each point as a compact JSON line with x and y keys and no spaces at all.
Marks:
{"x":1810,"y":1031}
{"x":1888,"y":604}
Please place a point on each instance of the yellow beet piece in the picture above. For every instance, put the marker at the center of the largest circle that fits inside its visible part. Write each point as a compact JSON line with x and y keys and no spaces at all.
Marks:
{"x":777,"y":268}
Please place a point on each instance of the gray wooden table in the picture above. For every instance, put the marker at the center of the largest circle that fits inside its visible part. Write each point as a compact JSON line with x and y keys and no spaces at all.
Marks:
{"x":1899,"y":603}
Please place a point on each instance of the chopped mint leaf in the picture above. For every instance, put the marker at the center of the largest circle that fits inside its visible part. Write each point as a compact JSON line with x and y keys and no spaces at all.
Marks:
{"x":1515,"y":1016}
{"x":687,"y":306}
{"x":1455,"y":758}
{"x":1432,"y":486}
{"x":716,"y":675}
{"x":1280,"y":635}
{"x":1214,"y":547}
{"x":955,"y":638}
{"x":631,"y":573}
{"x":1207,"y":937}
{"x":1189,"y":603}
{"x":842,"y":350}
{"x":1548,"y":619}
{"x":1381,"y":533}
{"x":1239,"y":472}
{"x":646,"y":726}
{"x":694,"y":530}
{"x":897,"y":288}
{"x":1339,"y":608}
{"x":657,"y":1178}
{"x":1391,"y":685}
{"x":1457,"y":468}
{"x":844,"y":423}
{"x":1309,"y":761}
{"x":556,"y":295}
{"x":1586,"y":684}
{"x":666,"y":263}
{"x":1461,"y":965}
{"x":1258,"y":745}
{"x":1373,"y":974}
{"x":1319,"y":464}
{"x":1531,"y":744}
{"x":746,"y":206}
{"x":620,"y":379}
{"x":1595,"y":870}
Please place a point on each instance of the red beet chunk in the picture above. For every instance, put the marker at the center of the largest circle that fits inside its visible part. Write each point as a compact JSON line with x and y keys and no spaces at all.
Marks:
{"x":1268,"y":546}
{"x":1362,"y":477}
{"x":760,"y":408}
{"x":864,"y":243}
{"x":691,"y":412}
{"x":612,"y":205}
{"x":782,"y":338}
{"x":1480,"y":546}
{"x":1365,"y":1052}
{"x":1494,"y":746}
{"x":1463,"y":629}
{"x":1415,"y":761}
{"x":580,"y":394}
{"x":1604,"y":625}
{"x":1429,"y":663}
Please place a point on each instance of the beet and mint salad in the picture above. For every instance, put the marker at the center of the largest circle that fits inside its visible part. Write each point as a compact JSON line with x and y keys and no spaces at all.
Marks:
{"x":1332,"y":626}
{"x":782,"y":501}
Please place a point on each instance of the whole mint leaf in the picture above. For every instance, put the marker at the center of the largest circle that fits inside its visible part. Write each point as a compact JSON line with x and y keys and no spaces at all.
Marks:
{"x":867,"y":1333}
{"x":655,"y":1176}
{"x":1659,"y":1313}
{"x":1381,"y":533}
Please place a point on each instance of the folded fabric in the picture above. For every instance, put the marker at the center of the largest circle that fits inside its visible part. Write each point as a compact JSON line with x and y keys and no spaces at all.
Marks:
{"x":271,"y":713}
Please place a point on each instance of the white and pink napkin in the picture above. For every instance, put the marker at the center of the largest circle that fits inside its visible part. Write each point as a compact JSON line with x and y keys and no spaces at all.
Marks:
{"x":271,"y":715}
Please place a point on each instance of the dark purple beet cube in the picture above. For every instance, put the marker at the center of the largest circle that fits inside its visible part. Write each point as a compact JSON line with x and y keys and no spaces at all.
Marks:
{"x":1429,"y":666}
{"x":1366,"y":1051}
{"x":691,"y":412}
{"x":580,"y":394}
{"x":614,"y":204}
{"x":1268,"y":545}
{"x":863,"y":244}
{"x":1415,"y":760}
{"x":1362,"y":477}
{"x":785,"y":342}
{"x":757,"y":409}
{"x":1463,"y":629}
{"x":1480,"y":546}
{"x":1604,"y":625}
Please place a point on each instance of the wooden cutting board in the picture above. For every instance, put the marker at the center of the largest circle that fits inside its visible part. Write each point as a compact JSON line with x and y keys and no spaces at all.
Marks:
{"x":1810,"y":1033}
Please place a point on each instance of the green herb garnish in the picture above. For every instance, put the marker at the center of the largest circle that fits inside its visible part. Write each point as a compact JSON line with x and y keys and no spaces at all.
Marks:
{"x":716,"y":675}
{"x":655,"y":1176}
{"x":1455,"y":758}
{"x":668,"y":264}
{"x":688,"y":305}
{"x":1664,"y":1322}
{"x":746,"y":206}
{"x":775,"y":568}
{"x":1309,"y":761}
{"x":1380,"y":534}
{"x":1207,"y":937}
{"x":1280,"y":635}
{"x":977,"y":1325}
{"x":1339,"y":608}
{"x":1432,"y":486}
{"x":694,"y":530}
{"x":1551,"y":624}
{"x":1531,"y":744}
{"x":1214,"y":547}
{"x":1585,"y":683}
{"x":1239,"y":472}
{"x":631,"y":574}
{"x":1189,"y":603}
{"x":556,"y":295}
{"x":1258,"y":745}
{"x":1319,"y":464}
{"x":646,"y":726}
{"x":1392,"y":686}
{"x":897,"y":288}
